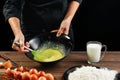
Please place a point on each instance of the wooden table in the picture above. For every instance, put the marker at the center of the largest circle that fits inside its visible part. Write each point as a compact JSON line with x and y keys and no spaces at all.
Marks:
{"x":111,"y":60}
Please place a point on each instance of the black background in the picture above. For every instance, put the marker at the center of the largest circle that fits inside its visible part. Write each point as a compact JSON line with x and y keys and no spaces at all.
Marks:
{"x":95,"y":20}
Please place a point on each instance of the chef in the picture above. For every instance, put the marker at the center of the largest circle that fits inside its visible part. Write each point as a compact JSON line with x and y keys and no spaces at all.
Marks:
{"x":28,"y":18}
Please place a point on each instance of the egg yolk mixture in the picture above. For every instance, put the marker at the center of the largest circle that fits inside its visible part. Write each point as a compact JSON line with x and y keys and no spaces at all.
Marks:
{"x":47,"y":55}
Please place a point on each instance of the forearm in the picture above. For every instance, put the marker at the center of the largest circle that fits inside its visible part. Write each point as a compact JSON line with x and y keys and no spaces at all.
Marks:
{"x":15,"y":25}
{"x":19,"y":37}
{"x":73,"y":6}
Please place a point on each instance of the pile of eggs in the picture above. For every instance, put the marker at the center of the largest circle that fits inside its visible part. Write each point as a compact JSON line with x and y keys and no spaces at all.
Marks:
{"x":21,"y":73}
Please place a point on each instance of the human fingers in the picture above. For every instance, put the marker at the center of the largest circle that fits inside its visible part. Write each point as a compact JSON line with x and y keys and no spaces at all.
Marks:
{"x":60,"y":31}
{"x":27,"y":44}
{"x":14,"y":46}
{"x":22,"y":45}
{"x":19,"y":47}
{"x":56,"y":30}
{"x":66,"y":31}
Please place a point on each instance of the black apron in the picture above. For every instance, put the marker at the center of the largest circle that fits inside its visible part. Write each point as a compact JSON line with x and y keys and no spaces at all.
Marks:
{"x":40,"y":16}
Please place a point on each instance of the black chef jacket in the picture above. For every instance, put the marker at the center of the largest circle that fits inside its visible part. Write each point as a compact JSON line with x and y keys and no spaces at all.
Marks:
{"x":37,"y":15}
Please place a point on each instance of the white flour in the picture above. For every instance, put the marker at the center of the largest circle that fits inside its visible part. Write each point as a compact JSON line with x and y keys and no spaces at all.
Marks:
{"x":92,"y":73}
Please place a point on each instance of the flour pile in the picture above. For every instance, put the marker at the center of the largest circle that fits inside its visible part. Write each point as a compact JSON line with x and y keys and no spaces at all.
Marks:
{"x":92,"y":73}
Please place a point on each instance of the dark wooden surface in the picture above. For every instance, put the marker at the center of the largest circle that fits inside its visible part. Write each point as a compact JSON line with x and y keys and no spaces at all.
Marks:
{"x":111,"y":60}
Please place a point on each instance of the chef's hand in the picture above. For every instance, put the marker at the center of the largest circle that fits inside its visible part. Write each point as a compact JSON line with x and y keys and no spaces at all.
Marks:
{"x":20,"y":38}
{"x":64,"y":27}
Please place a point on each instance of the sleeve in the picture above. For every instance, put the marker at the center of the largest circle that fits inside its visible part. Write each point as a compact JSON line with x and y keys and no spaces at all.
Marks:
{"x":12,"y":8}
{"x":80,"y":1}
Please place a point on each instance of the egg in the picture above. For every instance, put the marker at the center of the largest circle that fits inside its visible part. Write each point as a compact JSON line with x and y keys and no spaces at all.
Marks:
{"x":42,"y":73}
{"x":17,"y":75}
{"x":8,"y":64}
{"x":20,"y":68}
{"x":25,"y":76}
{"x":49,"y":76}
{"x":33,"y":71}
{"x":8,"y":72}
{"x":33,"y":77}
{"x":42,"y":78}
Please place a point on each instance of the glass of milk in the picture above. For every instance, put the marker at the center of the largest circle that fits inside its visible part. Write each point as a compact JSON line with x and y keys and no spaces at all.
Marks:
{"x":94,"y":51}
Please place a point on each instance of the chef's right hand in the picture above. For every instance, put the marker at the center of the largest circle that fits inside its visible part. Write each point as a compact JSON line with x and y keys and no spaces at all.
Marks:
{"x":20,"y":38}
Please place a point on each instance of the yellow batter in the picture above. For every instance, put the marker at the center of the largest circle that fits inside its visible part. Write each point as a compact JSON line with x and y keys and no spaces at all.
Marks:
{"x":48,"y":55}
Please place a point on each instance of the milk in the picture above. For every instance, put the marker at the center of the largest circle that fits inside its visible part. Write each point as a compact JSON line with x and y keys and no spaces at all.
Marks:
{"x":94,"y":52}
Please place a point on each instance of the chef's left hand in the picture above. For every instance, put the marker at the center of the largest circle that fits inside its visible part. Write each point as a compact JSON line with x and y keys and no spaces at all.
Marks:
{"x":64,"y":27}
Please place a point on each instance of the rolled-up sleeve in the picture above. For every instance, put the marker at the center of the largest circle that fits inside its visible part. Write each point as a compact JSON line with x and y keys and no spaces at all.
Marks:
{"x":12,"y":8}
{"x":80,"y":1}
